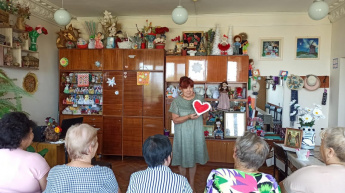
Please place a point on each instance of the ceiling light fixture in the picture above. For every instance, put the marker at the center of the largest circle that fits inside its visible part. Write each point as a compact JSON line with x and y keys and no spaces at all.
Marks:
{"x":318,"y":10}
{"x":179,"y":14}
{"x":61,"y":16}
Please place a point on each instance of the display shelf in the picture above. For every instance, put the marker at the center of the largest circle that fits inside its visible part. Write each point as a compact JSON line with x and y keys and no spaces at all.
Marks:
{"x":22,"y":68}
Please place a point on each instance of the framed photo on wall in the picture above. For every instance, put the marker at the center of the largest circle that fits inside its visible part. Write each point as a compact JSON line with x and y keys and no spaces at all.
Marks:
{"x":307,"y":48}
{"x":293,"y":138}
{"x":192,"y":38}
{"x":271,"y":48}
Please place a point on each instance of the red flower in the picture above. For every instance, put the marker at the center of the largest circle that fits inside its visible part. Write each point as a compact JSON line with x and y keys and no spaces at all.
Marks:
{"x":161,"y":30}
{"x":206,"y":133}
{"x":44,"y":30}
{"x":28,"y":28}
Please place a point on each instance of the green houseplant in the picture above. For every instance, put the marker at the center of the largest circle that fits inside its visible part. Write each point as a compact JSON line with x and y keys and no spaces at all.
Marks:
{"x":10,"y":95}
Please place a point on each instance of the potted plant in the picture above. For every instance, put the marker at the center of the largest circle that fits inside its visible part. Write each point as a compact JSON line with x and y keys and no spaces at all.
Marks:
{"x":160,"y":43}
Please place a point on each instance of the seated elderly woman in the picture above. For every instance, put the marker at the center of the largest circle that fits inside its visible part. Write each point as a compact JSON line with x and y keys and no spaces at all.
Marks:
{"x":329,"y":178}
{"x":79,"y":175}
{"x":21,"y":171}
{"x":250,"y":153}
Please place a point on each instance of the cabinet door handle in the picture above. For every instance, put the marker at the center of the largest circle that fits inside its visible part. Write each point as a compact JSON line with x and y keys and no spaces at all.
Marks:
{"x":131,"y":56}
{"x":126,"y":66}
{"x":93,"y":119}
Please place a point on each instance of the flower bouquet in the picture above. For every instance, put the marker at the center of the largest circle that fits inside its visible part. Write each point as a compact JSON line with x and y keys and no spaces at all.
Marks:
{"x":33,"y":34}
{"x":307,"y":118}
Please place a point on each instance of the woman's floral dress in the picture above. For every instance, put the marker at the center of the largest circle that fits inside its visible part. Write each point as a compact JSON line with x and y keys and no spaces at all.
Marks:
{"x":235,"y":181}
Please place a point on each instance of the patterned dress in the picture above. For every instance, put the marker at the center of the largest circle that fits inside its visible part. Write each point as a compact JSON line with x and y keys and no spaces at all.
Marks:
{"x":235,"y":181}
{"x":189,"y":145}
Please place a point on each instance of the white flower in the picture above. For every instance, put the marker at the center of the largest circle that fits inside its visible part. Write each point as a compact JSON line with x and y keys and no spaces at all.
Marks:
{"x":107,"y":15}
{"x":307,"y":118}
{"x":297,"y":106}
{"x":317,"y":112}
{"x":293,"y":113}
{"x":292,"y":102}
{"x":309,"y":110}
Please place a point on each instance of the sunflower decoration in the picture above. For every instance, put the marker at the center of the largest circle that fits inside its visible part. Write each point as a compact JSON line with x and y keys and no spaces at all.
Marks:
{"x":57,"y":129}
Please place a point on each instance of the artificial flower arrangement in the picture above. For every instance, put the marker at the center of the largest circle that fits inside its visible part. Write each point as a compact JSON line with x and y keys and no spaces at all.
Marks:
{"x":52,"y":132}
{"x":109,"y":24}
{"x":159,"y":41}
{"x":307,"y":116}
{"x":37,"y":32}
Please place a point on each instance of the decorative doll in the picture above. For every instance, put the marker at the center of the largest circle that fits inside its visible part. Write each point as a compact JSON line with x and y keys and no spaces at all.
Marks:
{"x":237,"y":44}
{"x":245,"y":48}
{"x":92,"y":43}
{"x":251,"y":66}
{"x":66,"y":90}
{"x":224,"y":103}
{"x":224,"y":45}
{"x":99,"y":37}
{"x":239,"y":92}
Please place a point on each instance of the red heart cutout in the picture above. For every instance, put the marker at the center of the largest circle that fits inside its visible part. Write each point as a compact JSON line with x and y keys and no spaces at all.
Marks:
{"x":200,"y":107}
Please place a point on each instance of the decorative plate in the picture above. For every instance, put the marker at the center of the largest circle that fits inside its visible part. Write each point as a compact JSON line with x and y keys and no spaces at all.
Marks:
{"x":30,"y":83}
{"x":64,"y":62}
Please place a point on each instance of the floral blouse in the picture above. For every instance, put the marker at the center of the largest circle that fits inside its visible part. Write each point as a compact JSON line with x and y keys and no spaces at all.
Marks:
{"x":235,"y":181}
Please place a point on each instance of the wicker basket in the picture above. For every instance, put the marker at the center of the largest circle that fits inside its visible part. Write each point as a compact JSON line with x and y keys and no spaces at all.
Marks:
{"x":125,"y":45}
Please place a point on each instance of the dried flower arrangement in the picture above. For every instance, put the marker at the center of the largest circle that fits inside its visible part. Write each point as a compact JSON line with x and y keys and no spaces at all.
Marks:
{"x":109,"y":24}
{"x":22,"y":11}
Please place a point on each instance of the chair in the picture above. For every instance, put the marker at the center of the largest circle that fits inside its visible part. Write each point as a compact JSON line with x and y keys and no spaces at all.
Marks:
{"x":272,"y":111}
{"x":267,"y":108}
{"x":280,"y":154}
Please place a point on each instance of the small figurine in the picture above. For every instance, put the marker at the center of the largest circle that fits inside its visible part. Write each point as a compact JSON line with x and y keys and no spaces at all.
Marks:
{"x":237,"y":44}
{"x":91,"y":90}
{"x":251,"y":66}
{"x":224,"y":103}
{"x":224,"y":45}
{"x":86,"y":100}
{"x":92,"y":43}
{"x":81,"y":43}
{"x":239,"y":92}
{"x":245,"y":48}
{"x":99,"y":37}
{"x":66,"y":90}
{"x":191,"y":52}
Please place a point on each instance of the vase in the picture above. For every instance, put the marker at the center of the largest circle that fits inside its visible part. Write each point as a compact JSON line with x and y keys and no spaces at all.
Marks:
{"x":20,"y":23}
{"x":160,"y":45}
{"x":33,"y":46}
{"x":308,"y":139}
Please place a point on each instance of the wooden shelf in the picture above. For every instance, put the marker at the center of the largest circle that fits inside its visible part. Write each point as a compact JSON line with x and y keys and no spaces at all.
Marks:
{"x":23,"y":68}
{"x":5,"y":46}
{"x":209,"y":99}
{"x":29,"y":51}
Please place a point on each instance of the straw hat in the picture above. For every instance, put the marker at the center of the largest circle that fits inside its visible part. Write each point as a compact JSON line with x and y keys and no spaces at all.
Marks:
{"x":312,"y":82}
{"x":294,"y":82}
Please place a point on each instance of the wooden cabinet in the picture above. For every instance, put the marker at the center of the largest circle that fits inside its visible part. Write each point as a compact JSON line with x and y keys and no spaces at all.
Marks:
{"x":132,"y":136}
{"x":220,"y":150}
{"x":113,"y":95}
{"x":175,"y":67}
{"x":240,"y":65}
{"x":113,"y":59}
{"x":79,"y":59}
{"x":55,"y":155}
{"x":151,"y":60}
{"x":130,"y":112}
{"x":112,"y":135}
{"x":216,"y":68}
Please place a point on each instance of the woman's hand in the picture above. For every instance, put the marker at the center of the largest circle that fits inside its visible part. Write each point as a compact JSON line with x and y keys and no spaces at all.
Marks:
{"x":177,"y":119}
{"x":193,"y":116}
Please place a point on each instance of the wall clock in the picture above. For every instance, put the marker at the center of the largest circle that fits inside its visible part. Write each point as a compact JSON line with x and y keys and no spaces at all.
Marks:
{"x":30,"y":83}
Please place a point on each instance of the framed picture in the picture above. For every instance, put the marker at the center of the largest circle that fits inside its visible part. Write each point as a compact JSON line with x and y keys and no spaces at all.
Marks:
{"x":307,"y":48}
{"x":210,"y":129}
{"x":192,"y":38}
{"x":293,"y":138}
{"x":271,"y":48}
{"x":234,"y":125}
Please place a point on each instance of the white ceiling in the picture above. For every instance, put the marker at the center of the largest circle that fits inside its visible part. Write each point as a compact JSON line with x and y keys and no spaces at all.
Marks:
{"x":95,"y":8}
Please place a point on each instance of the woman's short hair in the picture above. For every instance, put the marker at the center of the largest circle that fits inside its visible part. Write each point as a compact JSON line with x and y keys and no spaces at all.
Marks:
{"x":156,"y":149}
{"x":185,"y":82}
{"x":14,"y":127}
{"x":251,"y":150}
{"x":335,"y":138}
{"x":79,"y":138}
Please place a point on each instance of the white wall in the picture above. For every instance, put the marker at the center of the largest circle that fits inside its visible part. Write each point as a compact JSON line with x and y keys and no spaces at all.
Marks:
{"x":44,"y":102}
{"x":337,"y":80}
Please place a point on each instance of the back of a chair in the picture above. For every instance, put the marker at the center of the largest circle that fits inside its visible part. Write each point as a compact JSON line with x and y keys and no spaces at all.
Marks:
{"x":280,"y":153}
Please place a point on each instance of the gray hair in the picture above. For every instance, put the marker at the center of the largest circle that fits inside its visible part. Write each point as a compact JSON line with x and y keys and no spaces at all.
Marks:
{"x":251,"y":150}
{"x":335,"y":138}
{"x":78,"y":139}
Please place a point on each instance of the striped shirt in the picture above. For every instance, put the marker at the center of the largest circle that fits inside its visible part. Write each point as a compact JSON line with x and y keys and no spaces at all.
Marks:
{"x":159,"y":179}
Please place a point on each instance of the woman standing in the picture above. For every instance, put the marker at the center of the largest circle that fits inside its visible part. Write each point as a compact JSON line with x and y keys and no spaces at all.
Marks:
{"x":189,"y":145}
{"x":21,"y":171}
